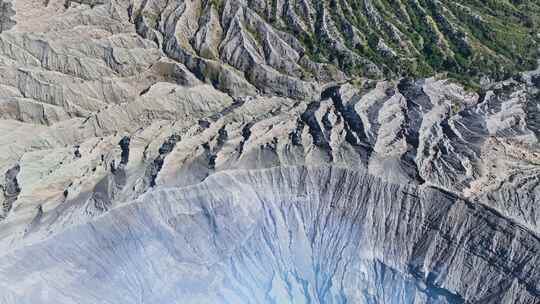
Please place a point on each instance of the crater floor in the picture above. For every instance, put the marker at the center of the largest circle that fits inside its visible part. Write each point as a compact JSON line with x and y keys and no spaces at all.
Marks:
{"x":284,"y":235}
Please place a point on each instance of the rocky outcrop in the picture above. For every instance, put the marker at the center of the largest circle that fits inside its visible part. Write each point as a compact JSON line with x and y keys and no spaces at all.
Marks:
{"x":6,"y":14}
{"x":10,"y":189}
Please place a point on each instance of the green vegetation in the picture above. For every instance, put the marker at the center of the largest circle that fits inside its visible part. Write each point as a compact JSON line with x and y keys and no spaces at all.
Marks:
{"x":255,"y":34}
{"x":467,"y":39}
{"x":151,"y":18}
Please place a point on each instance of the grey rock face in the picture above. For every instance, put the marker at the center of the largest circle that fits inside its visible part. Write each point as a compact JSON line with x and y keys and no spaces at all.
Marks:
{"x":6,"y":14}
{"x":189,"y":152}
{"x":287,"y":235}
{"x":11,"y":189}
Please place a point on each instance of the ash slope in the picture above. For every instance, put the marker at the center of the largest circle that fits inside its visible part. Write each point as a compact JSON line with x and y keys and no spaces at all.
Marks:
{"x":284,"y":235}
{"x":427,"y":133}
